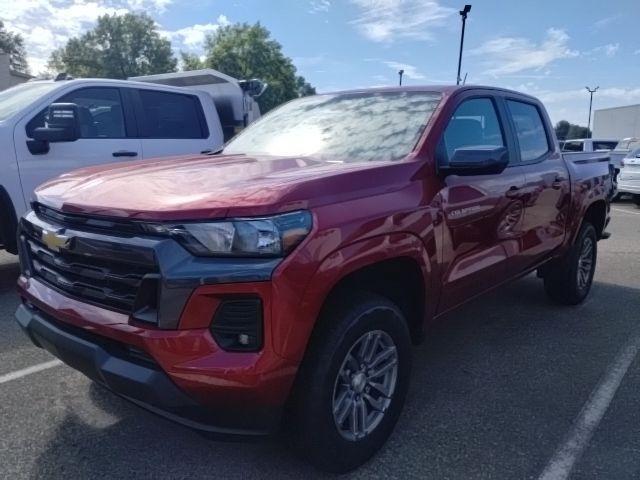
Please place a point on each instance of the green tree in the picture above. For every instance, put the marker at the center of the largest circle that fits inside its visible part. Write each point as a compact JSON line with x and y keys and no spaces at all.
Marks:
{"x":191,"y":62}
{"x":566,"y":130}
{"x":562,"y":129}
{"x":119,"y":46}
{"x":304,"y":88}
{"x":247,"y":51}
{"x":13,"y":44}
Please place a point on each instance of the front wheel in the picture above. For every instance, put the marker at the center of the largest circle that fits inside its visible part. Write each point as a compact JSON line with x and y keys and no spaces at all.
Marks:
{"x":636,"y":200}
{"x":352,"y":384}
{"x":569,"y":279}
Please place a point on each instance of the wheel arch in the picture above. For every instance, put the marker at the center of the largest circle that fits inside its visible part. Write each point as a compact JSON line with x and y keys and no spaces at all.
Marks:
{"x":596,"y":215}
{"x":393,"y":260}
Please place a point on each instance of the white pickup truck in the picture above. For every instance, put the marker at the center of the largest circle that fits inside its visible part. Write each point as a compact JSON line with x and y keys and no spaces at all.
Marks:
{"x":50,"y":127}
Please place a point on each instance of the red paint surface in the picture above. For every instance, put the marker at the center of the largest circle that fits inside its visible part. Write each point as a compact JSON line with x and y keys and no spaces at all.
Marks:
{"x":466,"y":235}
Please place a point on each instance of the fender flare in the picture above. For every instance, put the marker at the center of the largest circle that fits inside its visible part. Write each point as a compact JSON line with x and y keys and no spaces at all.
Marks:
{"x":8,"y":222}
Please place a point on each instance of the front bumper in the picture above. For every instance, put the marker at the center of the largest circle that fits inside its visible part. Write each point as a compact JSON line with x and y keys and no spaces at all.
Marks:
{"x":132,"y":375}
{"x":179,"y":374}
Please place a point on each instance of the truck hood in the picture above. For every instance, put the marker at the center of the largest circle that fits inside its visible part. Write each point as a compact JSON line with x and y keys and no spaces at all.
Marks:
{"x":202,"y":187}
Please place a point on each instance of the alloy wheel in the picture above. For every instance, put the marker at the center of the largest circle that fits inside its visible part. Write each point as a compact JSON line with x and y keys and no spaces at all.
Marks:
{"x":365,"y":385}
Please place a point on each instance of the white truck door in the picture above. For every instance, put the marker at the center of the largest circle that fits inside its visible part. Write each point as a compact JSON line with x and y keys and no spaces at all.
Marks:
{"x":106,"y":131}
{"x":172,"y":123}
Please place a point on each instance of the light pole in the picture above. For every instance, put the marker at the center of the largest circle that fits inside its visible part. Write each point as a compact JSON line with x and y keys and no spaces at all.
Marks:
{"x":463,"y":14}
{"x":400,"y":73}
{"x":591,"y":92}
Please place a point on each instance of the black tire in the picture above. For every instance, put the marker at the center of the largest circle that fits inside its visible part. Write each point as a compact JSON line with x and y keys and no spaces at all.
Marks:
{"x":636,"y":200}
{"x":313,"y":429}
{"x":562,"y":281}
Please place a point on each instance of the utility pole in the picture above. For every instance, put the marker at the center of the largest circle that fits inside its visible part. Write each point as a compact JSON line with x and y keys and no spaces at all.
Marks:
{"x":400,"y":73}
{"x":463,"y":14}
{"x":591,"y":92}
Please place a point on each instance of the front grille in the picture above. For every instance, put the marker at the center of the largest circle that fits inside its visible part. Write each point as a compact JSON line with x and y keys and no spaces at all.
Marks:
{"x":99,"y":271}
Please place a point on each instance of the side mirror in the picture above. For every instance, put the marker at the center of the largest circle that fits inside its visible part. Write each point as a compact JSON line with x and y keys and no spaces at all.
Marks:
{"x":62,"y":124}
{"x":477,"y":160}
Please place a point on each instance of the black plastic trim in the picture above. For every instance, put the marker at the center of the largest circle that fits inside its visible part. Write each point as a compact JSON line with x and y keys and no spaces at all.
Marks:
{"x":137,"y":378}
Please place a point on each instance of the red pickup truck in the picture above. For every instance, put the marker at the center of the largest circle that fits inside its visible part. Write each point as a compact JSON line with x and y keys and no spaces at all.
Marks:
{"x":282,"y":281}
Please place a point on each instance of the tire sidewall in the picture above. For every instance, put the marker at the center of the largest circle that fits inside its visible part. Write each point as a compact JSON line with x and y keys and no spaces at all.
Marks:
{"x":587,"y":231}
{"x":325,"y":439}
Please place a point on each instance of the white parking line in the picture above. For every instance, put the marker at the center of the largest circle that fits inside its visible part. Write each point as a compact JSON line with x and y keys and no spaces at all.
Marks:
{"x":625,"y":211}
{"x":569,"y":452}
{"x":7,"y":377}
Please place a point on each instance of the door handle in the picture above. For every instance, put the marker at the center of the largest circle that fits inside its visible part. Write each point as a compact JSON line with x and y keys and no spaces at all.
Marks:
{"x":124,"y":153}
{"x":557,"y":183}
{"x":513,"y":192}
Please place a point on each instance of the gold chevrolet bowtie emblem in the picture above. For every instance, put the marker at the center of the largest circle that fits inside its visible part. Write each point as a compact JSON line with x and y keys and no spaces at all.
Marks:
{"x":55,"y":240}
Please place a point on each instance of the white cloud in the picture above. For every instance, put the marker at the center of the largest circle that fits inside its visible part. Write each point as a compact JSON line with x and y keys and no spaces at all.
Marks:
{"x":192,"y":38}
{"x":610,"y":49}
{"x":637,"y":52}
{"x":47,"y":24}
{"x":410,"y":71}
{"x":390,"y":20}
{"x":319,"y":6}
{"x":606,"y":21}
{"x":509,"y":55}
{"x":572,"y":104}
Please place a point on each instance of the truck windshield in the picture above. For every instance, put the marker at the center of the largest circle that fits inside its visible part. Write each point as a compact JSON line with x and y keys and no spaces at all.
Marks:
{"x":14,"y":99}
{"x":352,"y":127}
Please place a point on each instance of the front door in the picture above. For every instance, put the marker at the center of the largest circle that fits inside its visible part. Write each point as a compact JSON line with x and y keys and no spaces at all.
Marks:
{"x":103,"y":138}
{"x":482,"y":214}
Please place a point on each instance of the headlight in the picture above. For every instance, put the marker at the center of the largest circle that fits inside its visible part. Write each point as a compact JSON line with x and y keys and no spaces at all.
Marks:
{"x":270,"y":236}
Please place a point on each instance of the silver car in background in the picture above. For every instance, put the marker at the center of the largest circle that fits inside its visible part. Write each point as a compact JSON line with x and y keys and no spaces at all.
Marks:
{"x":629,"y":176}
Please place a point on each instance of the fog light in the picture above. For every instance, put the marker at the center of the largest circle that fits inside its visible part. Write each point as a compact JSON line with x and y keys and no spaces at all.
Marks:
{"x":237,"y":324}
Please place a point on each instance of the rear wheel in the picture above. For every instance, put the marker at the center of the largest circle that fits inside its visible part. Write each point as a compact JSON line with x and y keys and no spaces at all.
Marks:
{"x":352,"y":384}
{"x":636,"y":200}
{"x":569,"y":279}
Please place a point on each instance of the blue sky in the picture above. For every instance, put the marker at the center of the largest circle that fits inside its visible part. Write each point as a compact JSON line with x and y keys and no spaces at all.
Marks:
{"x":551,"y":49}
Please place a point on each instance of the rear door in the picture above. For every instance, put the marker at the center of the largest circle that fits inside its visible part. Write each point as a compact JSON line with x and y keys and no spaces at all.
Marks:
{"x":482,"y":214}
{"x":107,"y":134}
{"x":173,"y":123}
{"x":547,"y":187}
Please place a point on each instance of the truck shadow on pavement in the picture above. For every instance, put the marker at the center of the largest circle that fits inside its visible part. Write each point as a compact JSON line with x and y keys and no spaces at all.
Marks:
{"x":494,"y":389}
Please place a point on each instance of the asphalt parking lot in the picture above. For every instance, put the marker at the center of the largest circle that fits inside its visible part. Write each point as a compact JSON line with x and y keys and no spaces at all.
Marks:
{"x":499,"y":390}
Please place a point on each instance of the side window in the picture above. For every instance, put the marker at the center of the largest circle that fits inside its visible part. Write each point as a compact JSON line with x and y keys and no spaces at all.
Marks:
{"x":532,"y":136}
{"x":100,"y":111}
{"x":474,"y":123}
{"x":604,"y":145}
{"x":573,"y":147}
{"x":172,"y":115}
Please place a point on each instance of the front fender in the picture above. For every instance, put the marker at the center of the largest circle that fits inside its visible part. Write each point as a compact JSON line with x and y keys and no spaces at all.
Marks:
{"x":292,"y":336}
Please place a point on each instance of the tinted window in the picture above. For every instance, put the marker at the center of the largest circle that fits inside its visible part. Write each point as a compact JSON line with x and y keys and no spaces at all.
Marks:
{"x":353,"y":127}
{"x":99,"y":110}
{"x":573,"y":147}
{"x":171,"y":115}
{"x":604,"y":145}
{"x":532,"y":136}
{"x":474,"y":123}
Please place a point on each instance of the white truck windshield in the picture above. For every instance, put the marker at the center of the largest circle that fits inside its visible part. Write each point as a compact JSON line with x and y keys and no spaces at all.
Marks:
{"x":14,"y":99}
